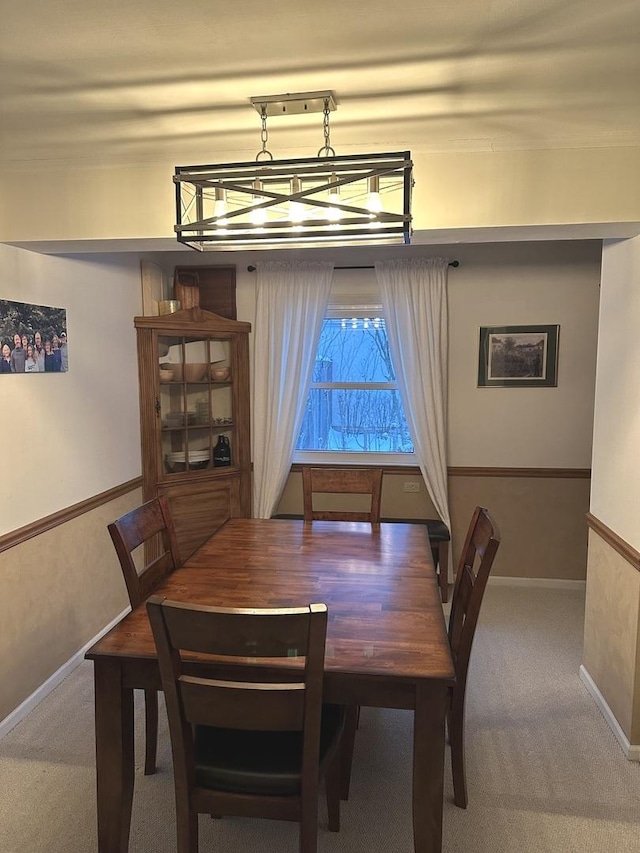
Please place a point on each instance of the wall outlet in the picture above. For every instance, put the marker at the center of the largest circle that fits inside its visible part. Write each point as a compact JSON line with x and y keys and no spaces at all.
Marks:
{"x":411,"y":487}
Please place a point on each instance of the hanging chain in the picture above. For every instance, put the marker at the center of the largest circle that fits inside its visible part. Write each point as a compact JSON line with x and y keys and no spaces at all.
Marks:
{"x":326,"y":150}
{"x":264,"y":135}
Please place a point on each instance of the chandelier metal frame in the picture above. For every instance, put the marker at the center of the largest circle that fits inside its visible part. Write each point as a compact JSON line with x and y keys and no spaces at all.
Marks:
{"x":259,"y":198}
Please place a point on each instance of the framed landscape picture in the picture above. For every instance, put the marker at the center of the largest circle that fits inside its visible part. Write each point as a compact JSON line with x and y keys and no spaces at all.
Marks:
{"x":518,"y":356}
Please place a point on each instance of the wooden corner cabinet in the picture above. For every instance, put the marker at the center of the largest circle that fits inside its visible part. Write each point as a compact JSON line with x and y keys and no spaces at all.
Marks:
{"x":194,"y":410}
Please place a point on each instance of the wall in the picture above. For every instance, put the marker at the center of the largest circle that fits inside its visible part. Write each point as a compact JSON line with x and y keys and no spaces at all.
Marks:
{"x":611,"y":656}
{"x":72,"y":435}
{"x":60,"y":589}
{"x":84,"y":436}
{"x":453,"y":190}
{"x":511,"y":284}
{"x":67,"y":438}
{"x":513,"y":428}
{"x":541,"y":519}
{"x":496,"y":284}
{"x":523,"y":507}
{"x":615,"y":493}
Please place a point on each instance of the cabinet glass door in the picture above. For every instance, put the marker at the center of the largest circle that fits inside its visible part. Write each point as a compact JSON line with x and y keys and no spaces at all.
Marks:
{"x":196,"y":403}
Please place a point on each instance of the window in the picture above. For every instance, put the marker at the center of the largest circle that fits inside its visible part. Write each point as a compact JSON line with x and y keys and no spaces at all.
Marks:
{"x":354,"y":405}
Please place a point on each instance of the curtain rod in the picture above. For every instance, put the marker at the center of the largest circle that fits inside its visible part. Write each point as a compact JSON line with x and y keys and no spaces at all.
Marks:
{"x":454,"y":264}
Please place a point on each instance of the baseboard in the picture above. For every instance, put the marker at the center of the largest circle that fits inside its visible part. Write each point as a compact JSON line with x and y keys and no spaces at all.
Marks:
{"x":548,"y":583}
{"x":631,"y":751}
{"x":59,"y":675}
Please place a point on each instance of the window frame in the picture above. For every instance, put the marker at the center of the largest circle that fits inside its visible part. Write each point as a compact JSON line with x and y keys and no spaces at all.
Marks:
{"x":362,"y":458}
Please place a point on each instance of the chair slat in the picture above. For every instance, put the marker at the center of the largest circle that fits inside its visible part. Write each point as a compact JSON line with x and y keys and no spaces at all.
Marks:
{"x":141,"y":525}
{"x":362,"y":481}
{"x":242,"y":705}
{"x":218,"y":631}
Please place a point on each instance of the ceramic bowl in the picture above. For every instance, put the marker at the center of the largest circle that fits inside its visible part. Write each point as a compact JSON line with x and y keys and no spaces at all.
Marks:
{"x":219,"y":374}
{"x":194,"y":371}
{"x":166,"y":375}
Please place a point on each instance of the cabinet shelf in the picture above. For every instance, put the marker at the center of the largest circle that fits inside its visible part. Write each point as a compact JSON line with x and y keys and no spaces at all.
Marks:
{"x":214,"y":383}
{"x":190,"y":427}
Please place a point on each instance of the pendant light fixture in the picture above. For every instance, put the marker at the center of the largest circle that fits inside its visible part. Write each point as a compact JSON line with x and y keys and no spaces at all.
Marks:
{"x":312,"y":201}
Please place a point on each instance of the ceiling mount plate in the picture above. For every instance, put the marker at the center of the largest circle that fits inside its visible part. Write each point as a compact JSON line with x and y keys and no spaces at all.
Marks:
{"x":296,"y":104}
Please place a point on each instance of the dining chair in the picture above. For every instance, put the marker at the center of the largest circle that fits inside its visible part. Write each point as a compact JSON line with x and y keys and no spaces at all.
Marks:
{"x":476,"y":560}
{"x":439,"y":538}
{"x":258,"y":747}
{"x":353,"y":481}
{"x":149,"y":523}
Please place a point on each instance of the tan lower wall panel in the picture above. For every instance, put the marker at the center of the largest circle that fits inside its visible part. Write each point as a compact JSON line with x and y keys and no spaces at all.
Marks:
{"x":542,"y":522}
{"x":611,"y":632}
{"x":541,"y":518}
{"x":395,"y":502}
{"x":59,"y":590}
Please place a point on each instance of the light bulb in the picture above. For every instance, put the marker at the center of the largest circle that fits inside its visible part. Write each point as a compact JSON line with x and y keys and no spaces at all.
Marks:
{"x":296,"y":208}
{"x":220,"y":207}
{"x":258,"y":216}
{"x":334,"y":213}
{"x":374,"y":202}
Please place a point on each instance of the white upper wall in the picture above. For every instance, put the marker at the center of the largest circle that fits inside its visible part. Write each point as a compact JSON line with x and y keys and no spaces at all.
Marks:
{"x":496,"y":284}
{"x":615,"y":484}
{"x":70,"y":436}
{"x":452,"y":190}
{"x":512,"y":285}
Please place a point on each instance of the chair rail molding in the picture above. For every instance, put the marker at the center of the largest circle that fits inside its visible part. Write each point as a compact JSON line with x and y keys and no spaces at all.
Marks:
{"x":616,"y":542}
{"x":22,"y":534}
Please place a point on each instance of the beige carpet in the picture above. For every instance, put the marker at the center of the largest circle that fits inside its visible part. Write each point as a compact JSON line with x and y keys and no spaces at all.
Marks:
{"x":545,"y":772}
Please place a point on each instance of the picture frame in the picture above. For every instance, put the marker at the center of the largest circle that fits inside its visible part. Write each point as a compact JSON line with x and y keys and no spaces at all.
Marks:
{"x":33,"y":338}
{"x":518,"y":356}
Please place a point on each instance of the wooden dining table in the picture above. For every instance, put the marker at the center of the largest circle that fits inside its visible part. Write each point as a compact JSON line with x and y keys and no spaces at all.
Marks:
{"x":387,"y":644}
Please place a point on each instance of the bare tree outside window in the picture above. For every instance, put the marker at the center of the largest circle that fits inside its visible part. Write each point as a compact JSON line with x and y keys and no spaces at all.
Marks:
{"x":354,"y":403}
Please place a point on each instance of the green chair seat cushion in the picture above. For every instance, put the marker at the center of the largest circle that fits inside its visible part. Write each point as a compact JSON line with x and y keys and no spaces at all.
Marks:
{"x":258,"y":762}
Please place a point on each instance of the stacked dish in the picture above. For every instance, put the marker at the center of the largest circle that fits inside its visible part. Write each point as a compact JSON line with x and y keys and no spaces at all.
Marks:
{"x":197,"y":459}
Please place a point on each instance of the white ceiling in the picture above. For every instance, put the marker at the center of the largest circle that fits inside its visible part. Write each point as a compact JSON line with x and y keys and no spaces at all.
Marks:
{"x":116,"y":81}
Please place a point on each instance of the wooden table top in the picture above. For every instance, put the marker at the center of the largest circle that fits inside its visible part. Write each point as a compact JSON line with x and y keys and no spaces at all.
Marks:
{"x":378,"y":582}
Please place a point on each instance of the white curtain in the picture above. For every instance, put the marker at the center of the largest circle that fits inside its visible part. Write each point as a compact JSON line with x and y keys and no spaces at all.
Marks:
{"x":291,"y":298}
{"x":414,"y":299}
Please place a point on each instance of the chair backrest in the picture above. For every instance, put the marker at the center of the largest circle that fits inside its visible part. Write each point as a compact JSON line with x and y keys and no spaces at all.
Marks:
{"x":152,"y":519}
{"x":476,"y":560}
{"x":251,"y":704}
{"x":356,"y":481}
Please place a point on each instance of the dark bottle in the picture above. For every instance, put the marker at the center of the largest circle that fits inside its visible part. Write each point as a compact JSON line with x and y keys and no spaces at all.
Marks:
{"x":222,"y":452}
